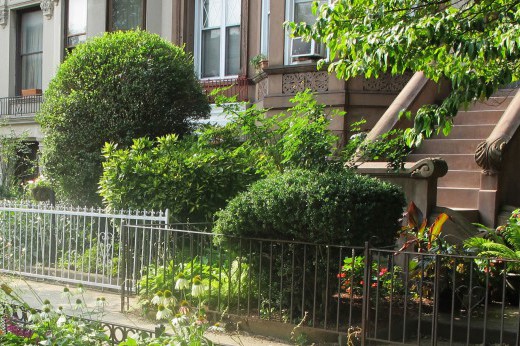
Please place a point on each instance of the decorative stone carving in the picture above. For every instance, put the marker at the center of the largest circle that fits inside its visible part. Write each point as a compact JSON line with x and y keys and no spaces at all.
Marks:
{"x":489,"y":155}
{"x":47,"y":7}
{"x":262,"y":89}
{"x":296,"y":82}
{"x":429,"y":168}
{"x":4,"y":15}
{"x":387,"y":83}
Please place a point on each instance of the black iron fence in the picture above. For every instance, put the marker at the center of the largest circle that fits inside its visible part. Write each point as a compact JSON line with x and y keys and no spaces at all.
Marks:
{"x":380,"y":295}
{"x":20,"y":105}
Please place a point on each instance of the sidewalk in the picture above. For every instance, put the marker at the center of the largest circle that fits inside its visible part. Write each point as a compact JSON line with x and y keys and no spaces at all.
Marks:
{"x":34,"y":292}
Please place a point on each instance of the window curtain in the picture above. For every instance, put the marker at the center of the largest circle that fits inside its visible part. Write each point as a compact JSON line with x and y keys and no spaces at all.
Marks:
{"x":31,"y":49}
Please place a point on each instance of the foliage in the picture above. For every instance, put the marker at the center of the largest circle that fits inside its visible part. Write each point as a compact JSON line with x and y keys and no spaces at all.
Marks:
{"x":474,"y":45}
{"x":14,"y":157}
{"x":195,"y":176}
{"x":191,"y":177}
{"x":386,"y":280}
{"x":39,"y":189}
{"x":117,"y":87}
{"x":415,"y":231}
{"x":390,"y":147}
{"x":501,"y":243}
{"x":225,"y":275}
{"x":189,"y":322}
{"x":50,"y":325}
{"x":336,"y":206}
{"x":256,"y":61}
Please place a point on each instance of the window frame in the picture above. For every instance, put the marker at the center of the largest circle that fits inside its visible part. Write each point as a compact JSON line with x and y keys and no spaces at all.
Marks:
{"x":198,"y":24}
{"x":19,"y":54}
{"x":66,"y":36}
{"x":110,"y":22}
{"x":289,"y":59}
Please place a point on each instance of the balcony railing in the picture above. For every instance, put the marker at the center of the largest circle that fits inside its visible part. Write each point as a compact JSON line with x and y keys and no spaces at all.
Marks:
{"x":20,"y":105}
{"x":235,"y":86}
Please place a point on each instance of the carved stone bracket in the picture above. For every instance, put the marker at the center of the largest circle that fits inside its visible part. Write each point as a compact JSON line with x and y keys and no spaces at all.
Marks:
{"x":489,"y":155}
{"x":4,"y":15}
{"x":429,"y":168}
{"x":296,"y":82}
{"x":47,"y":7}
{"x":262,"y":89}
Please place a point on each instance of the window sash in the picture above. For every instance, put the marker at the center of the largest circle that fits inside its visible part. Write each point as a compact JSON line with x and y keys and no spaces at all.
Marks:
{"x":76,"y":19}
{"x":31,"y":49}
{"x":126,"y":14}
{"x":225,"y":60}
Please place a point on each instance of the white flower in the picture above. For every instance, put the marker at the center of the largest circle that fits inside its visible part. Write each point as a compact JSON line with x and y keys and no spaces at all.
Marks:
{"x":79,"y":305}
{"x":66,"y":293}
{"x":168,"y":298}
{"x":157,"y":298}
{"x":80,"y":289}
{"x":163,"y":313}
{"x":216,"y":328}
{"x":33,"y":316}
{"x":181,"y":283}
{"x":45,"y":314}
{"x":46,"y":304}
{"x":197,"y":289}
{"x":61,"y":321}
{"x":101,"y":302}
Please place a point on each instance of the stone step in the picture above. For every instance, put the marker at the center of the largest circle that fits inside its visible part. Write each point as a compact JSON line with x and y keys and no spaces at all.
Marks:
{"x":465,"y":179}
{"x":473,"y":117}
{"x":451,"y":197}
{"x":494,"y":102}
{"x":438,"y":147}
{"x":455,"y":161}
{"x":472,"y":215}
{"x":468,"y":132}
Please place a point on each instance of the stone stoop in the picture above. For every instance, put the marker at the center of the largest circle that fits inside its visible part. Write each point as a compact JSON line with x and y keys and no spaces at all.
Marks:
{"x":459,"y":189}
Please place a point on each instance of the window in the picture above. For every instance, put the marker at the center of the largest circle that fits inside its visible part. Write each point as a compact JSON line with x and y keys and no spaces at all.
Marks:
{"x":219,"y":38}
{"x":76,"y":28}
{"x":301,"y":11}
{"x":264,"y":35}
{"x":126,"y":14}
{"x":30,"y":49}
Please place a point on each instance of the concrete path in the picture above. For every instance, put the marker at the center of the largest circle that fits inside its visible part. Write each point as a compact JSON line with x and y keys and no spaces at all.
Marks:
{"x":35,"y":292}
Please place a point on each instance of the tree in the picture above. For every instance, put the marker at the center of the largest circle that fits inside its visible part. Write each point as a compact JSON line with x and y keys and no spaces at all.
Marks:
{"x":472,"y":44}
{"x":114,"y":88}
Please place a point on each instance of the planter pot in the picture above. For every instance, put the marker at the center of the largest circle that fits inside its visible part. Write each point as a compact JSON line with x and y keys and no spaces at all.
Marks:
{"x":31,"y":92}
{"x":264,"y":64}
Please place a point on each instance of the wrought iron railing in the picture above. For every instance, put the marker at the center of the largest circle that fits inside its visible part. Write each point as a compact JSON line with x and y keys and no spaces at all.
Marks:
{"x":20,"y":105}
{"x":233,"y":86}
{"x":117,"y":333}
{"x":74,"y":245}
{"x":382,"y":296}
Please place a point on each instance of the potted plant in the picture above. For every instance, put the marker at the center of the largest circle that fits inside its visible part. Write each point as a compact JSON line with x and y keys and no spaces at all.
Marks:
{"x":259,"y":62}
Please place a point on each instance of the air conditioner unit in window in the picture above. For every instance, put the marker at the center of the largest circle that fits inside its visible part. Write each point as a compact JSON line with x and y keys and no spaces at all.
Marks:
{"x":311,"y":50}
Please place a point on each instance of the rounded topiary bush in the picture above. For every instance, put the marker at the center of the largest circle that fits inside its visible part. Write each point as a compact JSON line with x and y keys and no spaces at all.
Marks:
{"x":117,"y":87}
{"x":332,"y":207}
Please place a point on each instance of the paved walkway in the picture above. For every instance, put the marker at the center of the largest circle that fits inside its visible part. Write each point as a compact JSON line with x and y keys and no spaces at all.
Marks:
{"x":34,"y":292}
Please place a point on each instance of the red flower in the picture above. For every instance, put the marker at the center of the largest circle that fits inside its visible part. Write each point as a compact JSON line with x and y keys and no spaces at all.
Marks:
{"x":362,"y":282}
{"x":341,"y":275}
{"x":374,"y":284}
{"x":383,"y":271}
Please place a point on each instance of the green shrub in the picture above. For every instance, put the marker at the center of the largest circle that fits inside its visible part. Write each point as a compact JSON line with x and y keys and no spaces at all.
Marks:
{"x":117,"y":87}
{"x":190,"y":177}
{"x":333,"y":207}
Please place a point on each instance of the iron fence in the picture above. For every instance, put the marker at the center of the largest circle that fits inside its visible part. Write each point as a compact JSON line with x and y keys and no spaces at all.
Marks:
{"x":379,"y":295}
{"x":20,"y":105}
{"x":18,"y":317}
{"x":75,"y":245}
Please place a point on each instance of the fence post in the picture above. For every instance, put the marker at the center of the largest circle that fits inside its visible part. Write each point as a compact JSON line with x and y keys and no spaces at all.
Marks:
{"x":122,"y":264}
{"x":436,"y":287}
{"x":366,"y":300}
